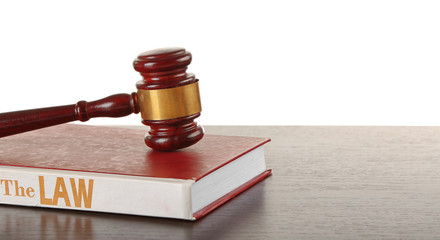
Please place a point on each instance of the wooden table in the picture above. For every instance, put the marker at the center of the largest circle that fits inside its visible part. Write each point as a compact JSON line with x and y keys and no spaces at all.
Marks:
{"x":327,"y":183}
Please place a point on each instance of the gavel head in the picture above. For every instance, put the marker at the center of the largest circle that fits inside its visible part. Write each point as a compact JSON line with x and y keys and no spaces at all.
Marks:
{"x":168,"y":98}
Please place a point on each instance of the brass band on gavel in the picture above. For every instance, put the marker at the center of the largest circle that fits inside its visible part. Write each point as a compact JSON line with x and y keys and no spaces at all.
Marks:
{"x":169,"y":103}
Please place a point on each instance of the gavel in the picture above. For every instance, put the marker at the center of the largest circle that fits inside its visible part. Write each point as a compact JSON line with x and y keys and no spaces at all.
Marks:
{"x":167,"y":97}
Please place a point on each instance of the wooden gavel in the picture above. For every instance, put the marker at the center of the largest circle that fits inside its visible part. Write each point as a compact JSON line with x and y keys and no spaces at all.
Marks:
{"x":167,"y":97}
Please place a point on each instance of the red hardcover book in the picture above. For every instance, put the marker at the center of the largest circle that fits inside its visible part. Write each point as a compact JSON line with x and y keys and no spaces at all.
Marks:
{"x":109,"y":169}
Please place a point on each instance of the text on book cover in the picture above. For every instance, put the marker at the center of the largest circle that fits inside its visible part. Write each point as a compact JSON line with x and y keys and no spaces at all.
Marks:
{"x":73,"y":192}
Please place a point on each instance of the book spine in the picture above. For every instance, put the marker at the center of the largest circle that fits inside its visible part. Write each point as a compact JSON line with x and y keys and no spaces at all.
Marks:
{"x":96,"y":192}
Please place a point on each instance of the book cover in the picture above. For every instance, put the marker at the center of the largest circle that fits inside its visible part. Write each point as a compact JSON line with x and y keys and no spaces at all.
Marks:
{"x":108,"y":169}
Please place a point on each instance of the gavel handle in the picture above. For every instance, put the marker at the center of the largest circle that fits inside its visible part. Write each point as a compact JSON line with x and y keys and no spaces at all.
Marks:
{"x":118,"y":105}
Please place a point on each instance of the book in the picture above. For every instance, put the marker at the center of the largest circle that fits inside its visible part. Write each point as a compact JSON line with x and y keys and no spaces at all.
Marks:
{"x":109,"y":169}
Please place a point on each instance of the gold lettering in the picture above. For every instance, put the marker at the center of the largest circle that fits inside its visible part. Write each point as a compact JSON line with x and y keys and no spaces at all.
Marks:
{"x":19,"y":191}
{"x":61,"y":193}
{"x":81,"y":193}
{"x":7,"y":182}
{"x":30,"y":192}
{"x":43,"y":199}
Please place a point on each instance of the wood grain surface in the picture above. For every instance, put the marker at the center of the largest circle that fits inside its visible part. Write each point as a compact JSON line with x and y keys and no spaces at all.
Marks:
{"x":327,"y":183}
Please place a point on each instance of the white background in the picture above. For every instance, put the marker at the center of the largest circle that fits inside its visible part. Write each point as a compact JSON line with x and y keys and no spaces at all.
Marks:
{"x":259,"y":62}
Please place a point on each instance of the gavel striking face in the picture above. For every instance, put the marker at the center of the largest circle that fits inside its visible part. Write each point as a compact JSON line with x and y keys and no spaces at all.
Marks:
{"x":168,"y":99}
